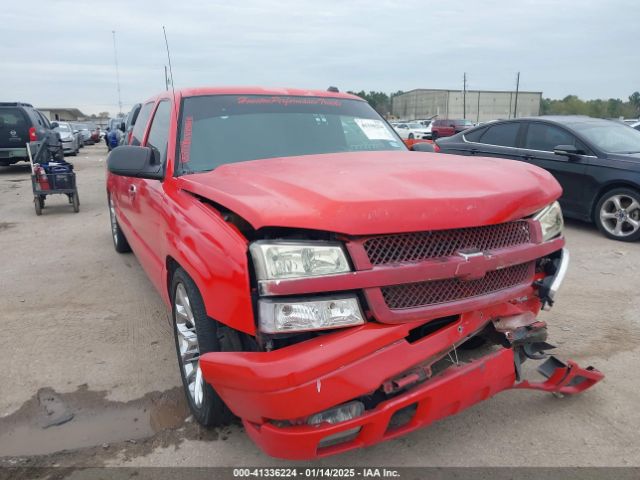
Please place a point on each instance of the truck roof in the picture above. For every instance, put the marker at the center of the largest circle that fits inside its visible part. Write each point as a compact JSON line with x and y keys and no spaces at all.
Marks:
{"x":199,"y":91}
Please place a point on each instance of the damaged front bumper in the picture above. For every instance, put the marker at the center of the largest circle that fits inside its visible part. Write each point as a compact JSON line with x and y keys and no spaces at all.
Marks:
{"x":395,"y":371}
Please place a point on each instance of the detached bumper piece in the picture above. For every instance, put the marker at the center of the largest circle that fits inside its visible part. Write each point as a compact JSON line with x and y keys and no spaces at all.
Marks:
{"x":567,"y":379}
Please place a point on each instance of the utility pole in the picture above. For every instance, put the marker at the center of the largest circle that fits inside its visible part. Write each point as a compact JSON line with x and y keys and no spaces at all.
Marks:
{"x":166,"y":79}
{"x":478,"y":115}
{"x":464,"y":95}
{"x":115,"y":54}
{"x":515,"y":108}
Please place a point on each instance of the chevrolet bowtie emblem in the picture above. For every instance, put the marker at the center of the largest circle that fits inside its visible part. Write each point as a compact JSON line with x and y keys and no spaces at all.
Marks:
{"x":475,"y":265}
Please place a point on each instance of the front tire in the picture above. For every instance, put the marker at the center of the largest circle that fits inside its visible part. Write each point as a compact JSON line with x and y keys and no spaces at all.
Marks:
{"x":195,"y":334}
{"x":120,"y":242}
{"x":411,"y":136}
{"x":617,"y":214}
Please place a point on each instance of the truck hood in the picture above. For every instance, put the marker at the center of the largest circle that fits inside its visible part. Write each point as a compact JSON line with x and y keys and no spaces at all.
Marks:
{"x":376,"y":192}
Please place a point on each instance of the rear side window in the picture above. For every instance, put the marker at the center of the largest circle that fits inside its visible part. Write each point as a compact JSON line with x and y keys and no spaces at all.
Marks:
{"x":45,"y":122}
{"x":503,"y":135}
{"x":141,"y":123}
{"x":133,"y":116}
{"x":545,"y":137}
{"x":474,"y":136}
{"x":159,"y":132}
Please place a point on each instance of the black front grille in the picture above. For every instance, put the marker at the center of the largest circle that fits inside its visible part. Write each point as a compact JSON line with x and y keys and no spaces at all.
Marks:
{"x":421,"y":294}
{"x":418,"y":246}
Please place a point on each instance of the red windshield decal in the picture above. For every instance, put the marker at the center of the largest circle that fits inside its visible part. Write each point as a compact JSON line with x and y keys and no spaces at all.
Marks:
{"x":185,"y":144}
{"x":286,"y":101}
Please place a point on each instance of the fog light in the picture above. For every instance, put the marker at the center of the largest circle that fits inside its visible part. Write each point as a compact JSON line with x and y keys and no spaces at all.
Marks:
{"x":338,"y":414}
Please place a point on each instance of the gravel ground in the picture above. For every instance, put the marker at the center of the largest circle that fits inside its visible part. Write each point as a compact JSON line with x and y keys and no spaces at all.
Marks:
{"x":86,"y":343}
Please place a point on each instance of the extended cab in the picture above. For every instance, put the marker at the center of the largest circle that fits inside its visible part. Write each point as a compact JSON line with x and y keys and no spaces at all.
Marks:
{"x":328,"y":286}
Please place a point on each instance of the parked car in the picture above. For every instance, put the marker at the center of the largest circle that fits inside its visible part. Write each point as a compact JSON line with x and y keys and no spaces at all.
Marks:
{"x":85,"y":133}
{"x":68,"y":138}
{"x":597,"y":163}
{"x":413,"y":130}
{"x":322,"y":278}
{"x":94,"y":131}
{"x":635,"y":125}
{"x":90,"y":133}
{"x":79,"y":136}
{"x":446,"y":128}
{"x":130,"y":122}
{"x":20,"y":124}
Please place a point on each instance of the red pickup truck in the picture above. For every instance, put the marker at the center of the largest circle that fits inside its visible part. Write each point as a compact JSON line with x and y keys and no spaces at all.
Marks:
{"x":329,"y":287}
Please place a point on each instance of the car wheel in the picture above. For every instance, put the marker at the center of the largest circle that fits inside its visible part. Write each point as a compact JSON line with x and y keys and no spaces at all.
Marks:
{"x":411,"y":136}
{"x":617,"y":214}
{"x":196,"y":334}
{"x":434,"y":135}
{"x":119,"y":240}
{"x":76,"y":203}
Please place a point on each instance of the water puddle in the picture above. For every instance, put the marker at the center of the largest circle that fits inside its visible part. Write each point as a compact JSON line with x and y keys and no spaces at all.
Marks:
{"x":52,"y":422}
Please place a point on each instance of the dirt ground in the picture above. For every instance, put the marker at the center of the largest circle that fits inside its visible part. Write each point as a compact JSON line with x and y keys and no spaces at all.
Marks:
{"x":88,"y":374}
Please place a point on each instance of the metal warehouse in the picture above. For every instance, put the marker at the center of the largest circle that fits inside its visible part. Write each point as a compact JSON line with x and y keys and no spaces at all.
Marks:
{"x":475,"y":105}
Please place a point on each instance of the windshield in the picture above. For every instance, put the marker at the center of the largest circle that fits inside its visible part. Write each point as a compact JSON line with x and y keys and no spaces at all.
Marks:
{"x":220,"y":129}
{"x":63,"y":127}
{"x":611,"y":137}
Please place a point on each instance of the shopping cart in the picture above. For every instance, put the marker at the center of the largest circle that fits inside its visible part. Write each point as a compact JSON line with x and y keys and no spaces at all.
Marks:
{"x":51,"y":178}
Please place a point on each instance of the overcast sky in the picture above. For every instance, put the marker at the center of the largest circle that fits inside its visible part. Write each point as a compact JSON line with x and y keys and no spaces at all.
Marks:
{"x":60,"y":53}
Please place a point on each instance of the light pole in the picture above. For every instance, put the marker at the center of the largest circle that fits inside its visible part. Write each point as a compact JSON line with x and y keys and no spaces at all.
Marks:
{"x":115,"y":54}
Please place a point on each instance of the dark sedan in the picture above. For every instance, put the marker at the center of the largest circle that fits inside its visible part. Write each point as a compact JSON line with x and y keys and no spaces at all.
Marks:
{"x":596,"y":161}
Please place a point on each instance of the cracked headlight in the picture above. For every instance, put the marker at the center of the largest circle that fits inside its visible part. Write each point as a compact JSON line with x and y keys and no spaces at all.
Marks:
{"x":280,"y":260}
{"x":551,"y":221}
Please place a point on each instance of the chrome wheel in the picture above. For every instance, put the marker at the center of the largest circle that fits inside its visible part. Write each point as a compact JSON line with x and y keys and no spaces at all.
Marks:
{"x":189,"y":351}
{"x":620,"y":215}
{"x":114,"y":222}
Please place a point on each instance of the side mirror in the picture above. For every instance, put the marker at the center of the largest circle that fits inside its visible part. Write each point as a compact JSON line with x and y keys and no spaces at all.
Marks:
{"x":567,"y":150}
{"x":130,"y":161}
{"x":122,"y":127}
{"x":423,"y":147}
{"x":55,"y":124}
{"x":76,"y":131}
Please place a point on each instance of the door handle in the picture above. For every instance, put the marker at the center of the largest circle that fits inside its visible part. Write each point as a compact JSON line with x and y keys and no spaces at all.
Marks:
{"x":474,"y":151}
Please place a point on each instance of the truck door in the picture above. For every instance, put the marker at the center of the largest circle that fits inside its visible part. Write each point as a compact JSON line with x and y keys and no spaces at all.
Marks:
{"x":147,"y":197}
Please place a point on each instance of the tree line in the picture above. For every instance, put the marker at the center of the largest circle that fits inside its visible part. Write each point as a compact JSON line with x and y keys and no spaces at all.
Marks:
{"x":611,"y":108}
{"x":569,"y":105}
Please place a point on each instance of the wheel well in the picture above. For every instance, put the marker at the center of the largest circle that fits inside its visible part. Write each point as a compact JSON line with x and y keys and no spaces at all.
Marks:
{"x":248,"y":342}
{"x":608,"y":188}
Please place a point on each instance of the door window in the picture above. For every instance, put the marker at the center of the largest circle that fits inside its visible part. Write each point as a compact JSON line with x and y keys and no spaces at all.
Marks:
{"x":159,"y":132}
{"x":141,"y":124}
{"x":503,"y":134}
{"x":545,"y":137}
